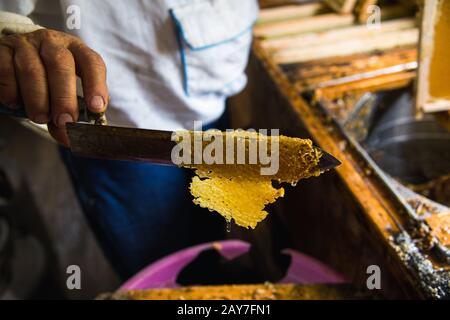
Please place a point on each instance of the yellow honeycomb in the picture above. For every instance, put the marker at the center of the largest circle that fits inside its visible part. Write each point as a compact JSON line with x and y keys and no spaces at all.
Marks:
{"x":240,"y":192}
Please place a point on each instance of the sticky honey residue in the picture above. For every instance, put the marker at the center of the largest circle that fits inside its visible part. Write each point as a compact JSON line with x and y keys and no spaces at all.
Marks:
{"x":240,"y":192}
{"x":439,"y":75}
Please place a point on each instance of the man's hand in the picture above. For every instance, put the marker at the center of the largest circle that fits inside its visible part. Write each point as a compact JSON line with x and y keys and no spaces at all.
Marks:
{"x":39,"y":70}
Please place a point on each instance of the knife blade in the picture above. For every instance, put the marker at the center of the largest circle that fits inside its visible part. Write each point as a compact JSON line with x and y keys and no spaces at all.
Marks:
{"x":120,"y":143}
{"x":92,"y":138}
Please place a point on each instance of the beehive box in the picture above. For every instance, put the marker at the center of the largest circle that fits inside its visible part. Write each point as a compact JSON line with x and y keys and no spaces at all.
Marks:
{"x":307,"y":70}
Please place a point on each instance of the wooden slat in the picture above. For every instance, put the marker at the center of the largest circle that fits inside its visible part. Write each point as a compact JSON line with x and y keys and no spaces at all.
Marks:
{"x":353,"y":46}
{"x":311,"y":75}
{"x":311,"y":24}
{"x":334,"y":35}
{"x":389,"y":82}
{"x":347,"y":65}
{"x":271,"y":15}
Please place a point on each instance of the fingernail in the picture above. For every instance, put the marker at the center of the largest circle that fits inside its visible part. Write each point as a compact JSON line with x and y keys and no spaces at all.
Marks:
{"x":63,"y":119}
{"x":41,"y":119}
{"x":97,"y":104}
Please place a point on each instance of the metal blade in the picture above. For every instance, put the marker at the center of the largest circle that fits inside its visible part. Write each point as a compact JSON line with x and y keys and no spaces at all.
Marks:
{"x":327,"y":161}
{"x":119,"y":143}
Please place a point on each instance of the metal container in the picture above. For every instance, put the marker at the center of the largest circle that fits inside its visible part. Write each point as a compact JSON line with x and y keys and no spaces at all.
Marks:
{"x":412,"y":150}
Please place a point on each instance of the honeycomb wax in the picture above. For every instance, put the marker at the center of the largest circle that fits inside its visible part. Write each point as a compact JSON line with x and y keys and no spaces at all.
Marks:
{"x":239,"y":191}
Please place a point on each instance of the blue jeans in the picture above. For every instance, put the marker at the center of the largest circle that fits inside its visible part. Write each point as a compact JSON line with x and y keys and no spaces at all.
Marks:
{"x":140,"y":211}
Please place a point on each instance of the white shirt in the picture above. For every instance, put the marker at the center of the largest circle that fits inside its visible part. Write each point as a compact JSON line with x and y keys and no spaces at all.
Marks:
{"x":169,"y":62}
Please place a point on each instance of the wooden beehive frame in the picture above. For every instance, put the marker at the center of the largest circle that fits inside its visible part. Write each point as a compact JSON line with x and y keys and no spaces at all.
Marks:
{"x":315,"y":33}
{"x":424,"y":102}
{"x":378,"y":41}
{"x":303,"y":40}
